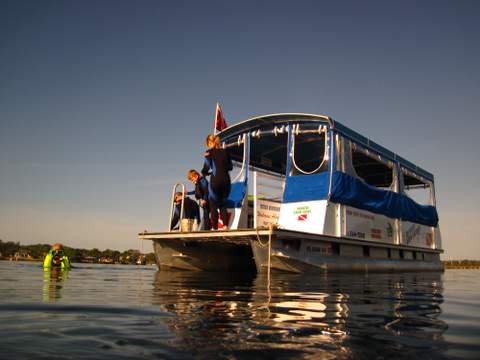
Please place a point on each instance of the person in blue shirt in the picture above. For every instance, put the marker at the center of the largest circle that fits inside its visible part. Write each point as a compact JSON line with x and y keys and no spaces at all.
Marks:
{"x":190,"y":210}
{"x":201,"y":194}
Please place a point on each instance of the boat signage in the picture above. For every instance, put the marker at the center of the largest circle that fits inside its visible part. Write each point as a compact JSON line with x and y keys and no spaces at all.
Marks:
{"x":364,"y":225}
{"x":267,"y":212}
{"x":417,"y":235}
{"x":306,"y":216}
{"x":302,"y":212}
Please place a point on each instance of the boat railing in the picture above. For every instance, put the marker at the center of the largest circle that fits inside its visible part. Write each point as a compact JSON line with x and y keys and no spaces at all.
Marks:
{"x":172,"y":205}
{"x":243,"y":172}
{"x":295,"y":132}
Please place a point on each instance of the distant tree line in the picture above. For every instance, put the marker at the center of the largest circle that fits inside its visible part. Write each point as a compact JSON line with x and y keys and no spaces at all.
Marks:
{"x":462,"y":264}
{"x":10,"y":250}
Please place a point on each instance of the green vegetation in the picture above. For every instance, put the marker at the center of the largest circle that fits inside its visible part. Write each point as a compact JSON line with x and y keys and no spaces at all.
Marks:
{"x":10,"y":250}
{"x":14,"y":251}
{"x":462,"y":264}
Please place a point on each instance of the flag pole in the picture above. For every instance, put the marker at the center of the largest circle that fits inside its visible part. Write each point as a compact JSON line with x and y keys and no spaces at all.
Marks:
{"x":215,"y":120}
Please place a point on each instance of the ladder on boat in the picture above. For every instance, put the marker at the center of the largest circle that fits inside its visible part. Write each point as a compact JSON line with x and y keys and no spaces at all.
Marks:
{"x":173,"y":205}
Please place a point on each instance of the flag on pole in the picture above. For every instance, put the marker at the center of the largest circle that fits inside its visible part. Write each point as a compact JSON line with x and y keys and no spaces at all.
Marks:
{"x":219,"y":122}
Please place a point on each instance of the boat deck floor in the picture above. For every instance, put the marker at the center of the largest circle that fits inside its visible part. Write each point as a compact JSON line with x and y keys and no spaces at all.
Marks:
{"x":244,"y":236}
{"x":233,"y":236}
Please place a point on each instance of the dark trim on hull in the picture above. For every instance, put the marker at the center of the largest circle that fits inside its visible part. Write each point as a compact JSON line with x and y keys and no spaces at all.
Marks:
{"x":195,"y":255}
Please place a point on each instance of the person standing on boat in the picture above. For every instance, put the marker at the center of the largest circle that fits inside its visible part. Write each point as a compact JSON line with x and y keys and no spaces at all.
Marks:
{"x":201,"y":194}
{"x":217,"y":165}
{"x":191,"y":210}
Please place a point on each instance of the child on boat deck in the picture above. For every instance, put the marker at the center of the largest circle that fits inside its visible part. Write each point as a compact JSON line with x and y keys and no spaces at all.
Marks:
{"x":217,"y":165}
{"x":201,"y":194}
{"x":190,"y":210}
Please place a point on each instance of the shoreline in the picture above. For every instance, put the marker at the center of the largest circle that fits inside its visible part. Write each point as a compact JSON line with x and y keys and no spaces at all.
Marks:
{"x":447,"y":266}
{"x":75,"y":262}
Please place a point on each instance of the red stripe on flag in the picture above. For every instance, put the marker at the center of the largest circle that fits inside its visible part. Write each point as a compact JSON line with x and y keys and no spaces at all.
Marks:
{"x":220,"y":122}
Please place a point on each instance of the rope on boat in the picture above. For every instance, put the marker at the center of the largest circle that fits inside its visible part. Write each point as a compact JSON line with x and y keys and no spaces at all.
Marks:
{"x":269,"y":264}
{"x":269,"y":244}
{"x":295,"y":132}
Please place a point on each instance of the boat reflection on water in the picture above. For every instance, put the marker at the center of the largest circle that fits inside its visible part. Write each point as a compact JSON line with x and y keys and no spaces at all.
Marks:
{"x":53,"y":283}
{"x":306,"y":318}
{"x":337,"y":316}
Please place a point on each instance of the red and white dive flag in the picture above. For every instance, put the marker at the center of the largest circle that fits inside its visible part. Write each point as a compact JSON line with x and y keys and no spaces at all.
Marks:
{"x":219,"y":123}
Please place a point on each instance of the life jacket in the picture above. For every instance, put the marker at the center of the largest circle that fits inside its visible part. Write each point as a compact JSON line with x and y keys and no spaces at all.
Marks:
{"x":56,"y":258}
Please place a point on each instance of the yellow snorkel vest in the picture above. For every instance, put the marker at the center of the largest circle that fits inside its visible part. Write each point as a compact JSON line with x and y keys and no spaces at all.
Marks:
{"x":57,"y":259}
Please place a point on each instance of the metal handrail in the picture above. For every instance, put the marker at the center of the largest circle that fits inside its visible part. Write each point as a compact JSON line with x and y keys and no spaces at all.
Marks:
{"x":296,"y":130}
{"x":245,"y":161}
{"x":172,"y":205}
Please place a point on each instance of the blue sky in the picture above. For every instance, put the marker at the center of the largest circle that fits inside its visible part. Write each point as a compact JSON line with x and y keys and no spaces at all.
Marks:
{"x":105,"y":104}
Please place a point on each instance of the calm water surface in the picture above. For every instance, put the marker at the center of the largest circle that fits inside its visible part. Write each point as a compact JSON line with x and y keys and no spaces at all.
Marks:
{"x":130,"y":312}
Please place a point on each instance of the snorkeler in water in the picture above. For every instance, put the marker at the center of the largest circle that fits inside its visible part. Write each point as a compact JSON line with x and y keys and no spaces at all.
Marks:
{"x":56,"y":258}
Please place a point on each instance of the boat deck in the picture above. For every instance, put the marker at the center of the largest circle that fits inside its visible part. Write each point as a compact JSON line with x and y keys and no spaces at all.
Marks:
{"x":240,"y":237}
{"x":244,"y":236}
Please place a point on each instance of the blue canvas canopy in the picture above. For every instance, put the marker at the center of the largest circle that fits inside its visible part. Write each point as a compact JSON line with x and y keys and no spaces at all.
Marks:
{"x":351,"y":191}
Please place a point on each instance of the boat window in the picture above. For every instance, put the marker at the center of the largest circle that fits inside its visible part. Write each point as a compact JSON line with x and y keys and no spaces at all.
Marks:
{"x":370,"y":167}
{"x":269,"y":152}
{"x":417,"y":188}
{"x":309,"y":155}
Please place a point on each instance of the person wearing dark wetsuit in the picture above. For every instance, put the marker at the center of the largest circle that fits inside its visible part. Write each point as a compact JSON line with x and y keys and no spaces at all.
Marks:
{"x":190,"y":210}
{"x":217,"y":165}
{"x":201,"y":194}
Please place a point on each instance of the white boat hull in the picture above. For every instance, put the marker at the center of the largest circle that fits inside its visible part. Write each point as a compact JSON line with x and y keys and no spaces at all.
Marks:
{"x":285,"y":250}
{"x":300,"y":253}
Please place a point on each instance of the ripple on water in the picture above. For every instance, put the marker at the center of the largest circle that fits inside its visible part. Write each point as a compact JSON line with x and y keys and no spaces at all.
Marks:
{"x":129,"y":312}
